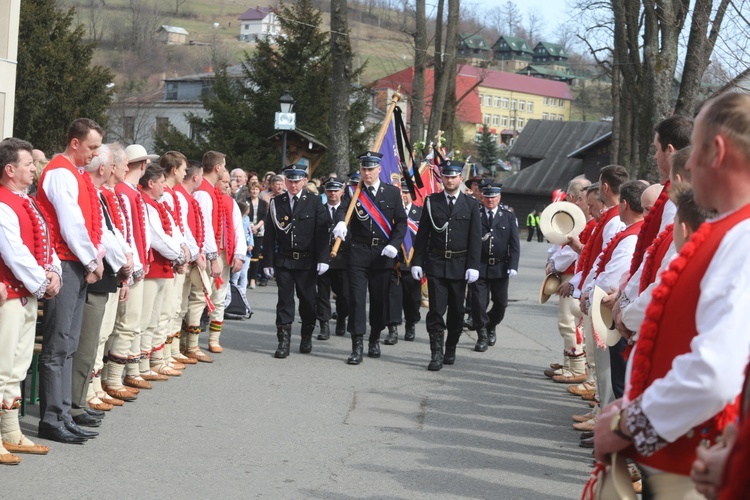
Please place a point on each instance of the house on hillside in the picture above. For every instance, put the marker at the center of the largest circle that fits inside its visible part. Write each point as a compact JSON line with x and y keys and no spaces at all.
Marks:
{"x":551,"y":154}
{"x":551,"y":55}
{"x":473,"y":48}
{"x":513,"y":53}
{"x":140,"y":119}
{"x":172,"y":35}
{"x":257,"y":23}
{"x":547,"y":72}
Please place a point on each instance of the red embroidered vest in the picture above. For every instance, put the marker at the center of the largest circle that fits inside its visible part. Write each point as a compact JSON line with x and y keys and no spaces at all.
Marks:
{"x":656,"y":253}
{"x":594,"y":246}
{"x":650,"y":229}
{"x":174,"y":210}
{"x":612,"y":245}
{"x":89,"y":205}
{"x":115,"y":210}
{"x":138,"y":217}
{"x":35,"y":235}
{"x":161,"y":267}
{"x":229,"y":233}
{"x":675,"y":332}
{"x":194,"y":217}
{"x":217,"y":215}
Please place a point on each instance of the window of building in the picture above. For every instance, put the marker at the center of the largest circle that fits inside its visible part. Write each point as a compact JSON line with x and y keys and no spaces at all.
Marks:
{"x":562,"y":103}
{"x":128,"y":128}
{"x":504,"y":102}
{"x":247,"y":26}
{"x":497,"y":102}
{"x":478,"y":136}
{"x":560,"y":118}
{"x":530,"y":107}
{"x":522,"y":105}
{"x":162,"y":125}
{"x":494,"y":137}
{"x":512,"y":123}
{"x":513,"y":104}
{"x":546,"y":101}
{"x":544,"y":116}
{"x":171,"y":91}
{"x":487,"y":119}
{"x":488,"y":101}
{"x":505,"y":121}
{"x":520,"y":123}
{"x":495,"y":120}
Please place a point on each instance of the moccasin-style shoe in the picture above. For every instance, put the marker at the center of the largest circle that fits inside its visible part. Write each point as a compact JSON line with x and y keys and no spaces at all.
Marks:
{"x":110,"y":401}
{"x":9,"y":459}
{"x":583,"y":418}
{"x":137,"y":382}
{"x":121,"y":394}
{"x":152,"y":376}
{"x":26,"y":446}
{"x":165,"y":370}
{"x":567,"y":377}
{"x":199,"y":356}
{"x":581,"y":389}
{"x":585,"y":426}
{"x":99,"y":406}
{"x":215,"y":348}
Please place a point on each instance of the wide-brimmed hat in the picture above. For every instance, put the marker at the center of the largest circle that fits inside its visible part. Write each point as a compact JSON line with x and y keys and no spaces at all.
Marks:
{"x":549,"y":287}
{"x":475,"y":178}
{"x":136,"y":153}
{"x":602,"y":318}
{"x":560,"y":220}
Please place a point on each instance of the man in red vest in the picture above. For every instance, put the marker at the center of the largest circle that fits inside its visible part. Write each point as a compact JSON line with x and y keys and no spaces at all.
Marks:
{"x":29,"y":270}
{"x":688,"y":365}
{"x":73,"y":206}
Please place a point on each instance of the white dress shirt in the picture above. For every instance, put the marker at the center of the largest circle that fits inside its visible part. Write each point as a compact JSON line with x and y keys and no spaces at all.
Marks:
{"x":240,"y":243}
{"x":167,"y":246}
{"x":192,"y":244}
{"x":207,"y":207}
{"x":634,"y":312}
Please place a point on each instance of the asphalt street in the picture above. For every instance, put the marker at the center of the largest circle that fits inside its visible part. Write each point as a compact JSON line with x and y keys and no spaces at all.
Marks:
{"x":311,"y":426}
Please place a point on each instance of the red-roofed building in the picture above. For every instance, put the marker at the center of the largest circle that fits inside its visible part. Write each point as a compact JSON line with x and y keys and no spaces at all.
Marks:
{"x":504,"y":101}
{"x":258,"y":23}
{"x":468,"y":112}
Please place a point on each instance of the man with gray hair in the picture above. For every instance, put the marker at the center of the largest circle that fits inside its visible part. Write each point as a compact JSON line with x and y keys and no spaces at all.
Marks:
{"x":118,"y":264}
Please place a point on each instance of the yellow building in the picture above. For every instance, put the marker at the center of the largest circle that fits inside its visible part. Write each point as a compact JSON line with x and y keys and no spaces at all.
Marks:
{"x":508,"y":101}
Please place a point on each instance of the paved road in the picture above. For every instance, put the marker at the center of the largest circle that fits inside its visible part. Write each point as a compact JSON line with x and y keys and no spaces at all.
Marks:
{"x":311,"y":426}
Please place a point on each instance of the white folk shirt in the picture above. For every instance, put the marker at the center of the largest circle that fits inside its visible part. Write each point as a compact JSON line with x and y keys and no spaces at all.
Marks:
{"x":131,"y":221}
{"x":561,"y":257}
{"x":126,"y":247}
{"x":240,"y":243}
{"x":61,"y":188}
{"x":17,"y":256}
{"x":612,"y":227}
{"x":192,"y":244}
{"x":167,"y":246}
{"x":207,"y":207}
{"x":616,"y":268}
{"x":703,"y":381}
{"x":113,"y":241}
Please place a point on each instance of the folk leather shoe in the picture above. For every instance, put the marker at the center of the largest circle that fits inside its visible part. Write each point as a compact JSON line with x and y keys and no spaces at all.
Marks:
{"x":581,"y":389}
{"x":138,"y":383}
{"x":9,"y":459}
{"x":199,"y":355}
{"x":392,"y":337}
{"x":152,"y":376}
{"x":567,"y":377}
{"x":30,"y":449}
{"x":410,"y":333}
{"x":60,"y":434}
{"x":120,"y":394}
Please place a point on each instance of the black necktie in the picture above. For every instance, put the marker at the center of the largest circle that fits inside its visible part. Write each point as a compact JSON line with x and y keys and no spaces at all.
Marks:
{"x":489,"y":216}
{"x":294,"y":201}
{"x":451,"y":202}
{"x":333,"y":213}
{"x":371,"y":190}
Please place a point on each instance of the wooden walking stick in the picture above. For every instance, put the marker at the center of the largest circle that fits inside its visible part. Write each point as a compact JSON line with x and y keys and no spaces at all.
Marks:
{"x":376,"y":147}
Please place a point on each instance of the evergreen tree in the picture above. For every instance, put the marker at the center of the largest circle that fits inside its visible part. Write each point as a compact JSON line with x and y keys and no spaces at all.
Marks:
{"x":55,"y":82}
{"x":487,"y":148}
{"x":241,"y":114}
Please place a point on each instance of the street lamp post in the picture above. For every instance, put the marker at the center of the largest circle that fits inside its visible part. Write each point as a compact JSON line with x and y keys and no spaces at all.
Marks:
{"x":285,"y":121}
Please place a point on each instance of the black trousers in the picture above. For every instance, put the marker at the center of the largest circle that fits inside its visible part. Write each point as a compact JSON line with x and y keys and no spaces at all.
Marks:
{"x":445,"y":295}
{"x":406,"y":296}
{"x":252,"y":271}
{"x":63,"y":315}
{"x":531,"y":233}
{"x":481,"y":292}
{"x":333,"y":280}
{"x":617,"y":367}
{"x":303,"y":282}
{"x":376,"y":281}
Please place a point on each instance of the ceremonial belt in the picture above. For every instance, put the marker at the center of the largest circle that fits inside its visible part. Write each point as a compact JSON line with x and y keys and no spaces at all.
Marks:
{"x":448,"y":254}
{"x":297,"y":255}
{"x":375,"y":214}
{"x":372,"y":242}
{"x":496,"y":260}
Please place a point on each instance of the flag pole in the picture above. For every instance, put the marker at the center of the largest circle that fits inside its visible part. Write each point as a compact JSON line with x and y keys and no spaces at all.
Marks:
{"x":376,"y":147}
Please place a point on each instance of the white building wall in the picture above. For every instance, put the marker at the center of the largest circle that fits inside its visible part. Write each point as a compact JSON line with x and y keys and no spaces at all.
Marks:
{"x":10,"y":13}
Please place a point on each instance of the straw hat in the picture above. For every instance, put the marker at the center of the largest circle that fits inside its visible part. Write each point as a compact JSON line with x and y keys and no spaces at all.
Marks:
{"x":560,"y":220}
{"x":602,"y":319}
{"x":549,"y":287}
{"x":136,"y":153}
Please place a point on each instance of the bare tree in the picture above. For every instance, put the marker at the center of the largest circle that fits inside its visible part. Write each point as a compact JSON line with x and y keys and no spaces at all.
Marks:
{"x":341,"y":76}
{"x":512,"y":18}
{"x":445,"y":63}
{"x":416,"y":125}
{"x":533,"y":29}
{"x":177,"y":5}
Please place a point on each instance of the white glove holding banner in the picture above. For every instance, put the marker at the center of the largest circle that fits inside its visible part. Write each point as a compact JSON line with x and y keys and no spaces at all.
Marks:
{"x":471,"y":275}
{"x":322,"y":268}
{"x":340,"y":230}
{"x":416,"y":272}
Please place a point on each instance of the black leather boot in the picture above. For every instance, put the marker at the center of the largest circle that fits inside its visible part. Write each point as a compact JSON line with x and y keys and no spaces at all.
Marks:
{"x":305,"y":345}
{"x":340,"y":327}
{"x":410,"y":333}
{"x":491,"y":337}
{"x":450,"y":347}
{"x":373,"y":347}
{"x":357,"y":348}
{"x":392,"y":337}
{"x":284,"y":335}
{"x":481,"y":340}
{"x":325,"y":333}
{"x":436,"y":346}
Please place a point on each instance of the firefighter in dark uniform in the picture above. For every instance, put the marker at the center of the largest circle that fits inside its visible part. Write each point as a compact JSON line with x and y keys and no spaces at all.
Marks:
{"x":406,"y":293}
{"x":377,"y":228}
{"x":499,"y":262}
{"x":448,"y":247}
{"x":297,"y":251}
{"x":335,"y":279}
